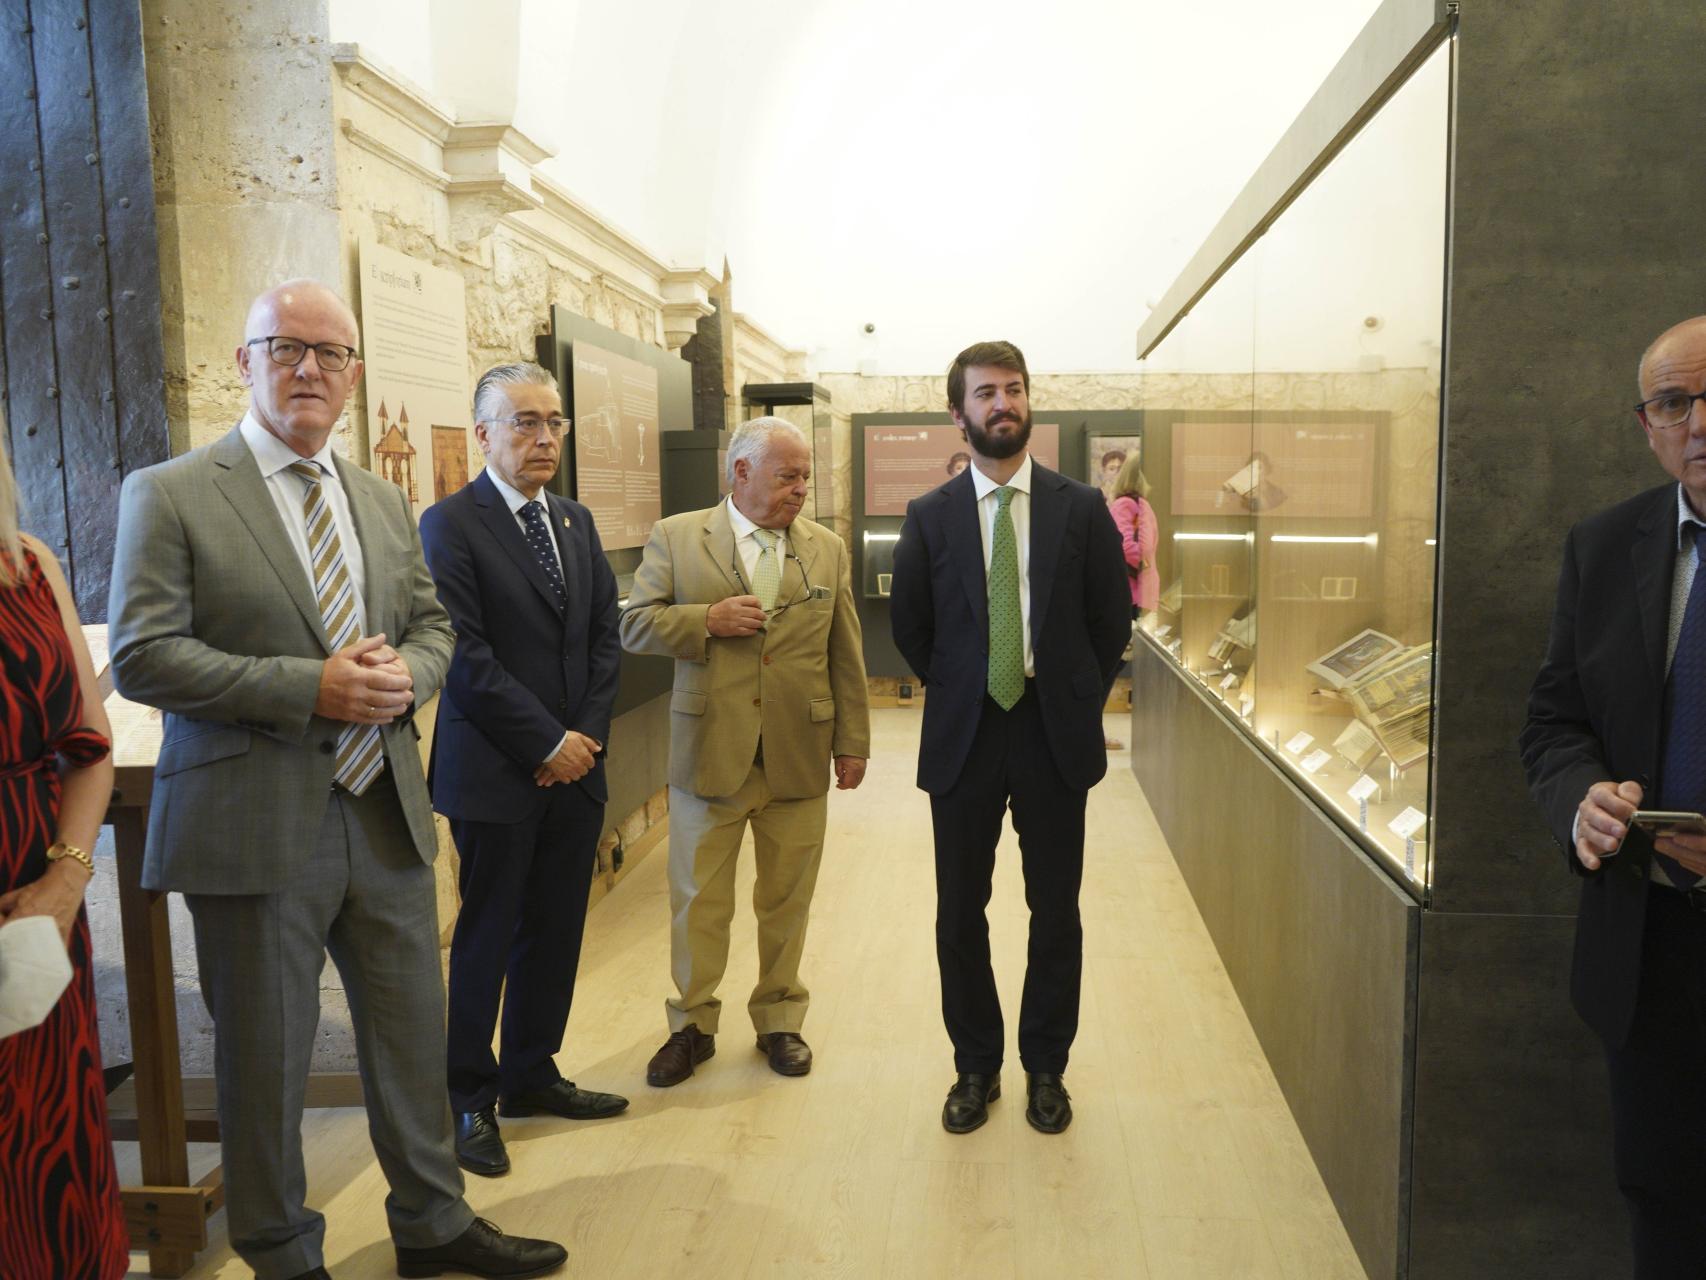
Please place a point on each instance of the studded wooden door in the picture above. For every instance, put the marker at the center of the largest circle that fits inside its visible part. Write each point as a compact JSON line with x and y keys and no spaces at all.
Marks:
{"x":81,"y":355}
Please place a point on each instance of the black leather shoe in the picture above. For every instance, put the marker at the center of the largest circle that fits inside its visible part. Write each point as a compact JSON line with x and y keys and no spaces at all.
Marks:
{"x":561,"y":1098}
{"x":483,"y":1250}
{"x":789,"y":1055}
{"x":479,"y":1145}
{"x":968,"y":1101}
{"x":1050,"y":1106}
{"x":318,"y":1273}
{"x":674,"y":1062}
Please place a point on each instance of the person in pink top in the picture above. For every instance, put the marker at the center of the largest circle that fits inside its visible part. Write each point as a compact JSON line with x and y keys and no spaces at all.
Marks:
{"x":1128,"y":503}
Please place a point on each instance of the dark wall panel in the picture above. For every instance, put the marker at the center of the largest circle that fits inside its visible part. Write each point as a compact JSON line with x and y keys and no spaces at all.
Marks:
{"x":79,"y":275}
{"x":1512,"y":1142}
{"x":1565,"y":264}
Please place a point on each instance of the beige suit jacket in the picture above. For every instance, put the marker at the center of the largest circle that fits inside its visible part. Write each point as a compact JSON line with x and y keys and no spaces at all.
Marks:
{"x":799,"y":684}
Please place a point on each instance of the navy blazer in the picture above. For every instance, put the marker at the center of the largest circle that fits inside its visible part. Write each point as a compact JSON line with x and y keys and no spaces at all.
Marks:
{"x":1080,"y":620}
{"x":1596,"y":712}
{"x":523,"y":670}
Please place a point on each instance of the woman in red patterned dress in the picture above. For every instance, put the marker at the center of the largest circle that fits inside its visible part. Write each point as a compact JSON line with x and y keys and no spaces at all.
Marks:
{"x":60,"y":1217}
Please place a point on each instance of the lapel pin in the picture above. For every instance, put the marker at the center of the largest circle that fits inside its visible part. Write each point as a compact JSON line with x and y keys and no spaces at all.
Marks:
{"x":565,"y":522}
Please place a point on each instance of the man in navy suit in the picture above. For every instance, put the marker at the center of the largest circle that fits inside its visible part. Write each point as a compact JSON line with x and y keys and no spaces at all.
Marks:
{"x":1617,"y":723}
{"x":1010,"y":603}
{"x":518,"y":757}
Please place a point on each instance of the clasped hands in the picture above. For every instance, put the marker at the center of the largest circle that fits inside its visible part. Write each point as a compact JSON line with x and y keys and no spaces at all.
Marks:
{"x":573,"y":761}
{"x":1602,"y":822}
{"x":365,"y":682}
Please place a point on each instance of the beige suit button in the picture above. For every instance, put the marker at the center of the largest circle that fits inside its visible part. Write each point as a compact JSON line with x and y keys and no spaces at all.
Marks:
{"x":767,"y":659}
{"x":758,"y":702}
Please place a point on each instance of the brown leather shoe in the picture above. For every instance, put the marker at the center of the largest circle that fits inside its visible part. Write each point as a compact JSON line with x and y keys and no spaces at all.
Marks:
{"x":674,"y":1062}
{"x":789,"y":1055}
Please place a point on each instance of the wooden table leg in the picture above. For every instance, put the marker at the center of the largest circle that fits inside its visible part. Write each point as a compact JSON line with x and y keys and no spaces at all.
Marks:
{"x":153,"y":1028}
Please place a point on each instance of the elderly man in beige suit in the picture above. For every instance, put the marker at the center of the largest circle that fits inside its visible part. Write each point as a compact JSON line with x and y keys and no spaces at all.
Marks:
{"x":756,"y":607}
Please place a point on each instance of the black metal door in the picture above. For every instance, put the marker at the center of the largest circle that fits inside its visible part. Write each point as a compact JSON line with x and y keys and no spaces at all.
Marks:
{"x":81,"y":355}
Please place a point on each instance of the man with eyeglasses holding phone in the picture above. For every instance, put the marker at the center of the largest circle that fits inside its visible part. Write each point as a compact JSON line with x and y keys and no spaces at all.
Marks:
{"x":755,"y":604}
{"x":272,"y":600}
{"x":518,"y":757}
{"x":1616,"y":737}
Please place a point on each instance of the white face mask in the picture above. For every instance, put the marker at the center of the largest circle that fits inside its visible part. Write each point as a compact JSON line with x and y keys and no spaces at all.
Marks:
{"x":34,"y":972}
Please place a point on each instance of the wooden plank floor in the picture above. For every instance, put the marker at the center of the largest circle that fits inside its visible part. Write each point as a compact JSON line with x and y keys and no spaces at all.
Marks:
{"x":1182,"y":1162}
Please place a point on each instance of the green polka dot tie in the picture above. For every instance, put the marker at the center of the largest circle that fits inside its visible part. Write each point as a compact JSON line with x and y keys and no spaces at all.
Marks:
{"x":767,"y":573}
{"x":1006,"y":635}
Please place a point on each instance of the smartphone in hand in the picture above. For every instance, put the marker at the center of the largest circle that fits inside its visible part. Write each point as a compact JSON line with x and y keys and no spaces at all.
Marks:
{"x":1664,"y":822}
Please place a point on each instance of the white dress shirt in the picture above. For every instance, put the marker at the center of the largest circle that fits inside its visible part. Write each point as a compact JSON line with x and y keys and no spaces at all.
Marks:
{"x":274,"y":457}
{"x":1020,"y":510}
{"x":516,"y":501}
{"x":748,"y":548}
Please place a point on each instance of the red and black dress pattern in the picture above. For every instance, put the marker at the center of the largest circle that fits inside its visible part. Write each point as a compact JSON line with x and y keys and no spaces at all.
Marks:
{"x":60,"y":1217}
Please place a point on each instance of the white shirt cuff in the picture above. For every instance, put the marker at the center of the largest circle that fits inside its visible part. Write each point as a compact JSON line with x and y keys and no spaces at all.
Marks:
{"x":561,"y":743}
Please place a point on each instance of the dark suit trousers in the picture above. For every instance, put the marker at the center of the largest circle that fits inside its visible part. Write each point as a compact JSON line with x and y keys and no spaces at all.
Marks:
{"x":524,"y":890}
{"x":1658,"y":1095}
{"x":1009,"y":763}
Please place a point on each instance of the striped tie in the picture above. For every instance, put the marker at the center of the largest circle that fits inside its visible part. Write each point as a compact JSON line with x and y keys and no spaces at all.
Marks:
{"x":361,"y":756}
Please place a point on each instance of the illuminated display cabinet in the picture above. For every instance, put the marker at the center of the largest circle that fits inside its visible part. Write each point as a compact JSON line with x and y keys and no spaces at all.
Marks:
{"x":1396,"y":372}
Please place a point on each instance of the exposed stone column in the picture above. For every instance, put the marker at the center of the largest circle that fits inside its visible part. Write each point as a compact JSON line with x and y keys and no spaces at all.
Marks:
{"x":245,"y":181}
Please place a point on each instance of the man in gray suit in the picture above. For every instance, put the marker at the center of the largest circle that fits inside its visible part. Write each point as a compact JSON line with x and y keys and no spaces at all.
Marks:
{"x":272,"y":600}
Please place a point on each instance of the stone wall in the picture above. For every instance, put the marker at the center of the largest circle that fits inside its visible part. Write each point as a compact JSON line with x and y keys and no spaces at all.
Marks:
{"x":245,"y":185}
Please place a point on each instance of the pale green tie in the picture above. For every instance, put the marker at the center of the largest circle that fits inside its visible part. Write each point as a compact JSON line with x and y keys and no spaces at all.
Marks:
{"x":767,"y":573}
{"x":1006,"y":623}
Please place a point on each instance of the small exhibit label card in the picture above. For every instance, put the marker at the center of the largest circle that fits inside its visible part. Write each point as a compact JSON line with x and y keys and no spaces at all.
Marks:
{"x":1315,"y":759}
{"x":1364,"y":787}
{"x":1230,"y":679}
{"x":1161,"y":633}
{"x":1297,"y":745}
{"x":1406,"y":824}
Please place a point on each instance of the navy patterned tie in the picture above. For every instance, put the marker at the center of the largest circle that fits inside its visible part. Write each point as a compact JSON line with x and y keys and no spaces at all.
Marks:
{"x":539,"y":538}
{"x":1682,"y":776}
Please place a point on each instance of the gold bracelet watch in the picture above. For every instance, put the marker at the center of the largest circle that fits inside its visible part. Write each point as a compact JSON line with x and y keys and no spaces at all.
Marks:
{"x":62,"y":850}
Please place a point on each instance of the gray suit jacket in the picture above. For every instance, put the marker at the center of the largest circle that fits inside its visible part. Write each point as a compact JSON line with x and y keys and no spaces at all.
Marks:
{"x":214,"y":622}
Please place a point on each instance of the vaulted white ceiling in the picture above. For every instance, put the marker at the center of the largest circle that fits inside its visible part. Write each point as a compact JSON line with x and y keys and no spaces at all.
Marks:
{"x":941,"y":171}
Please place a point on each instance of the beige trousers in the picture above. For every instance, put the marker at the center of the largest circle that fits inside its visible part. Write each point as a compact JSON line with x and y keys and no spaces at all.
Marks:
{"x":705,"y":836}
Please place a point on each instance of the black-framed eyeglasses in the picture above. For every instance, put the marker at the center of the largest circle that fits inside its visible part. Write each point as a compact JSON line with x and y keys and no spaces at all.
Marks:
{"x":1669,"y":411}
{"x":558,"y":427}
{"x":804,"y":593}
{"x":333,"y":357}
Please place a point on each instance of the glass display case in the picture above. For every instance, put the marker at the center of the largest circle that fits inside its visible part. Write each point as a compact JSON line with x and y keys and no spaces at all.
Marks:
{"x":878,"y":561}
{"x":1292,"y":434}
